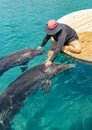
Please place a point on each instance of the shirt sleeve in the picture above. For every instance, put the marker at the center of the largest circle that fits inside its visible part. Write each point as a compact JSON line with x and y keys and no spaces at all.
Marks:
{"x":46,"y":38}
{"x":60,"y":44}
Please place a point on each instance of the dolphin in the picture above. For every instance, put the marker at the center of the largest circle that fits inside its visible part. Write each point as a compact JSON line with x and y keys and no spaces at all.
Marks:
{"x":18,"y":58}
{"x":12,"y":99}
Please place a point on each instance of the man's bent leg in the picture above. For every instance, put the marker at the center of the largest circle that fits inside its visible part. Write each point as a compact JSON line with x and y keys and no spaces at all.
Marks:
{"x":75,"y":46}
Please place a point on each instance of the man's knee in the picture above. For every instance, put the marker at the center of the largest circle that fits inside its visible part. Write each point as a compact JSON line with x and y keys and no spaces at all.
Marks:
{"x":77,"y":50}
{"x":75,"y":47}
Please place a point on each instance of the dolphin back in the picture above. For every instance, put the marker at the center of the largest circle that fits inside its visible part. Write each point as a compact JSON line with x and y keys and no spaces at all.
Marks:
{"x":17,"y":58}
{"x":12,"y":99}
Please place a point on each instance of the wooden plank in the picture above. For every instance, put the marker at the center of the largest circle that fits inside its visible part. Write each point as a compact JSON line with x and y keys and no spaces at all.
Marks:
{"x":80,"y":20}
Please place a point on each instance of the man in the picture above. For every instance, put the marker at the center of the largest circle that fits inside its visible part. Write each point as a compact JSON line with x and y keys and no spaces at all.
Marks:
{"x":64,"y":37}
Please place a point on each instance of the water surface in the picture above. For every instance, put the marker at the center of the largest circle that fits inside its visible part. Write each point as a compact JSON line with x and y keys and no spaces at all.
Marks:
{"x":68,"y":105}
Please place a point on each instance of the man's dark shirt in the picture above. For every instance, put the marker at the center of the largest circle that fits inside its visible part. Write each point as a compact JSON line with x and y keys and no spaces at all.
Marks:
{"x":63,"y":37}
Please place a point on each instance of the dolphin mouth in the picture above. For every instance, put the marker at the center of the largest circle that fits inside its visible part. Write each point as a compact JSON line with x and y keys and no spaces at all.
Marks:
{"x":71,"y":65}
{"x":63,"y":67}
{"x":41,"y":51}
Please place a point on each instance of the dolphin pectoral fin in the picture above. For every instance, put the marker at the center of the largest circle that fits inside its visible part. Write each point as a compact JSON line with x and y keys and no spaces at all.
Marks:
{"x":24,"y":67}
{"x":46,"y":86}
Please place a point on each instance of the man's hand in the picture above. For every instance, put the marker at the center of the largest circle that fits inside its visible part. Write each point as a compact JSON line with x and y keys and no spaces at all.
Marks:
{"x":39,"y":47}
{"x":48,"y":63}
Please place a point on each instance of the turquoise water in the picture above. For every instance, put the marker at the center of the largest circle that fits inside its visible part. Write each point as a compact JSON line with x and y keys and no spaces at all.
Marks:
{"x":68,"y":105}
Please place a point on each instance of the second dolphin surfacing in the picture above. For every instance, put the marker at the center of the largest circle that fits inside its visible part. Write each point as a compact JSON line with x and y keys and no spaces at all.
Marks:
{"x":12,"y":99}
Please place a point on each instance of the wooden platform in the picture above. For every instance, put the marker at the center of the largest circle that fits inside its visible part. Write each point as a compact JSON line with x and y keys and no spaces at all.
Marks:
{"x":81,"y":21}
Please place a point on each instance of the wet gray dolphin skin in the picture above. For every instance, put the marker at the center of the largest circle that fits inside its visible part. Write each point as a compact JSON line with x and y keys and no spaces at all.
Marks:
{"x":18,"y":58}
{"x":12,"y":99}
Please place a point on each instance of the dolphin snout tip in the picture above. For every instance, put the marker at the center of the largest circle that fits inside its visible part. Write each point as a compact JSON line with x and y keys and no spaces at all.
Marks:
{"x":71,"y":65}
{"x":40,"y":50}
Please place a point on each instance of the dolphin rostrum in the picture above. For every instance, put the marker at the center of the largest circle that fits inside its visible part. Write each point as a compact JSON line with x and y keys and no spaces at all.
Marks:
{"x":12,"y":99}
{"x":17,"y":58}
